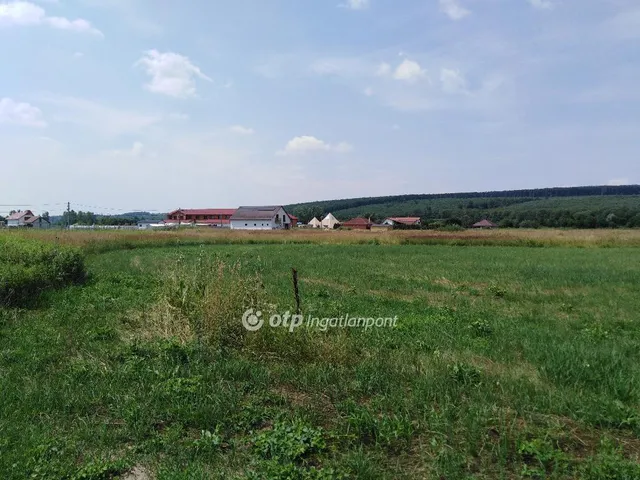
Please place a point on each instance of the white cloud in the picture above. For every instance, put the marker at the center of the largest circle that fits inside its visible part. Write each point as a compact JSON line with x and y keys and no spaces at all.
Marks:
{"x":356,"y":4}
{"x":171,"y":74}
{"x":368,"y":91}
{"x":309,"y":144}
{"x":409,"y":71}
{"x":453,"y":10}
{"x":542,"y":4}
{"x":78,"y":55}
{"x":452,"y":81}
{"x":18,"y":113}
{"x":25,"y":14}
{"x":240,"y":130}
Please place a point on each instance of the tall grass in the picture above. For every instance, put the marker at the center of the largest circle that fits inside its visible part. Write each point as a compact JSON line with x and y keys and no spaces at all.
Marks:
{"x":103,"y":241}
{"x":28,"y":267}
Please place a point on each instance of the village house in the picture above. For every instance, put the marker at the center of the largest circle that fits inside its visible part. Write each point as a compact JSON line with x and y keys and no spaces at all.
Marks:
{"x":38,"y":222}
{"x":20,"y":219}
{"x":484,"y":224}
{"x":402,"y":221}
{"x":209,"y":217}
{"x":260,"y":218}
{"x":358,"y":223}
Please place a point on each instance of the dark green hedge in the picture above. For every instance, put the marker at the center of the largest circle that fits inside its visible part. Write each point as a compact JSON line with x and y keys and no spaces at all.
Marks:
{"x":28,"y":267}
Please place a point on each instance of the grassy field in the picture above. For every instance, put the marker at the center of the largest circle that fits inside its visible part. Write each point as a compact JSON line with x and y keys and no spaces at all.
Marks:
{"x":506,"y":361}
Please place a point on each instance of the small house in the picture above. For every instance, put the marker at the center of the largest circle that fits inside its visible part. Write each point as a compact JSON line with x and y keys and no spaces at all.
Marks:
{"x":402,"y":221}
{"x":484,"y":224}
{"x":260,"y":218}
{"x":20,"y":219}
{"x":358,"y":223}
{"x":37,"y":222}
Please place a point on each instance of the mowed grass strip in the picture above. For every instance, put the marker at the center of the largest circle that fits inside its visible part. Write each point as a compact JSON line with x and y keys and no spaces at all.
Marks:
{"x":507,"y":362}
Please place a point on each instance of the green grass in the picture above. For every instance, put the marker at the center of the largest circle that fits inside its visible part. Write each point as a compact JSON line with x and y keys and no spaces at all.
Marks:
{"x":507,"y":362}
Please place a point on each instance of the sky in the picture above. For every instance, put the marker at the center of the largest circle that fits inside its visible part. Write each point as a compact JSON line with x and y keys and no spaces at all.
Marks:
{"x":121,"y":105}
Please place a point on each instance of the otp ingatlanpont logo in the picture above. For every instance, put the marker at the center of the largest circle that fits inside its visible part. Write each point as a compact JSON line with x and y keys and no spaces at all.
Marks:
{"x":252,"y":321}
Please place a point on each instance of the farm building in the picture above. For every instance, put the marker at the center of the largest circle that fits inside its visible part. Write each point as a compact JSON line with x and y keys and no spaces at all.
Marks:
{"x":315,"y":223}
{"x":402,"y":221}
{"x":484,"y":224}
{"x":20,"y":219}
{"x":294,"y":220}
{"x":330,"y":222}
{"x":260,"y":218}
{"x":211,"y":217}
{"x":358,"y":223}
{"x":38,"y":222}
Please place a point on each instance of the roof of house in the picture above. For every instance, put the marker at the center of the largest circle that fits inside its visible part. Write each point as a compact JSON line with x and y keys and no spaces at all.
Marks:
{"x":256,"y":213}
{"x":293,"y":218}
{"x":485,"y":223}
{"x":357,"y":221}
{"x":19,"y":215}
{"x":405,"y":220}
{"x":35,"y":219}
{"x":204,"y":211}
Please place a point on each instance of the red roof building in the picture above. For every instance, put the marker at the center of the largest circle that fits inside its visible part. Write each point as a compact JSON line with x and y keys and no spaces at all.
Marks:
{"x":294,"y":220}
{"x":215,"y":217}
{"x":358,"y":223}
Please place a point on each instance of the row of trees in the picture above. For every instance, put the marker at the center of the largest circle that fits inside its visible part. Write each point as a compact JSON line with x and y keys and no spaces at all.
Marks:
{"x":89,"y":218}
{"x":539,"y":193}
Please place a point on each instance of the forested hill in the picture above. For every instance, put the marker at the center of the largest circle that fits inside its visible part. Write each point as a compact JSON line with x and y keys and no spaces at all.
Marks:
{"x":580,"y":207}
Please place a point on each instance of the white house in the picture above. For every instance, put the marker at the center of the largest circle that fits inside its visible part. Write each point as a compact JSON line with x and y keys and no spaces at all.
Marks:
{"x":330,"y":222}
{"x":19,"y":219}
{"x":260,"y":218}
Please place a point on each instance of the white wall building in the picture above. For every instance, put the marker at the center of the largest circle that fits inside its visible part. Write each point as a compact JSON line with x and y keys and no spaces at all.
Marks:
{"x":260,"y":218}
{"x":19,"y":219}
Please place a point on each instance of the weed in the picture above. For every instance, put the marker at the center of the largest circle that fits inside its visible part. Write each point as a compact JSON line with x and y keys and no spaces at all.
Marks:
{"x":289,"y":441}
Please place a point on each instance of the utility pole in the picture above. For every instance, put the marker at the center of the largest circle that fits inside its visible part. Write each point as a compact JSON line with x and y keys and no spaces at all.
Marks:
{"x":68,"y":215}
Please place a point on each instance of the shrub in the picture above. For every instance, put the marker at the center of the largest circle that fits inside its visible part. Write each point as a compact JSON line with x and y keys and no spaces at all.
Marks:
{"x":28,"y":267}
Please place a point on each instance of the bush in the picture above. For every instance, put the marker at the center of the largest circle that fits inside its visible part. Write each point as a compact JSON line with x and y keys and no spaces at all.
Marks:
{"x":27,"y":268}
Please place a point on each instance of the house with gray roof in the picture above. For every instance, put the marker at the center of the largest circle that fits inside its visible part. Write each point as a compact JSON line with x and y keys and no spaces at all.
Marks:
{"x":261,"y":218}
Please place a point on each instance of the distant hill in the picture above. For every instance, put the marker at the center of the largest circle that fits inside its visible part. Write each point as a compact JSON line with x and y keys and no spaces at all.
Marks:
{"x":579,"y":207}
